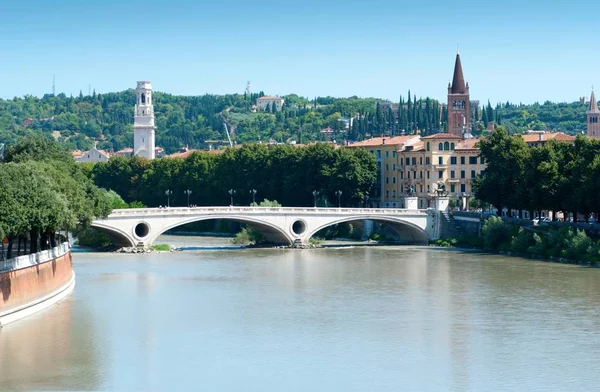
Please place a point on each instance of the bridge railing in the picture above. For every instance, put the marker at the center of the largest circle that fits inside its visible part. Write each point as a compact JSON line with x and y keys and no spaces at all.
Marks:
{"x":262,"y":210}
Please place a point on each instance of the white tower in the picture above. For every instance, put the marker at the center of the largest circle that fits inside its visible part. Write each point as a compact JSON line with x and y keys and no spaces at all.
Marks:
{"x":143,"y":121}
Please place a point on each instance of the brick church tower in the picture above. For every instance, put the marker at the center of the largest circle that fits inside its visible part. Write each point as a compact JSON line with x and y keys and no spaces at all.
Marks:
{"x":459,"y":107}
{"x":593,"y":126}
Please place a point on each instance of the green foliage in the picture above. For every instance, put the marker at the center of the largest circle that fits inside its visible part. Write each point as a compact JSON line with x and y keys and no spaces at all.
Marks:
{"x":266,"y":203}
{"x":380,"y":238}
{"x":161,"y":247}
{"x":496,"y":234}
{"x":286,"y":173}
{"x":92,"y":238}
{"x":522,"y":241}
{"x":42,"y":190}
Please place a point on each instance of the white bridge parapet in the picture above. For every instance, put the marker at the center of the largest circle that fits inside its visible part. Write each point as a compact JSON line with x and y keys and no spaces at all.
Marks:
{"x":285,"y":225}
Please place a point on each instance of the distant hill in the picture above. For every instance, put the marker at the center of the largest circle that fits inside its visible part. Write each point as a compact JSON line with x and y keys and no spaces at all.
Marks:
{"x":197,"y":121}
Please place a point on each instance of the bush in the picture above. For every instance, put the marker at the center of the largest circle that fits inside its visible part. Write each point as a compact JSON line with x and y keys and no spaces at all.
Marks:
{"x":496,"y":234}
{"x":161,"y":247}
{"x":93,"y":238}
{"x":522,"y":241}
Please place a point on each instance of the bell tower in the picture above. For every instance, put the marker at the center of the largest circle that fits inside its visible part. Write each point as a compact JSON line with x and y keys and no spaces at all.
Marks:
{"x":593,"y":126}
{"x":459,"y":107}
{"x":143,"y":121}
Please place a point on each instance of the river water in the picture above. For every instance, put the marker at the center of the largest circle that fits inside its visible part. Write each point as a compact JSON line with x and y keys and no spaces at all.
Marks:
{"x":356,"y":319}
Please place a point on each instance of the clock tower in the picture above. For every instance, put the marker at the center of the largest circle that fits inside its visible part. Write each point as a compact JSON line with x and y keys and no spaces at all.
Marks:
{"x":143,"y":121}
{"x":593,"y":114}
{"x":459,"y":107}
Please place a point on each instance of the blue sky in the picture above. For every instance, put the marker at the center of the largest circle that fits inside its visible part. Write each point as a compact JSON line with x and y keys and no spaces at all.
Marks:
{"x":518,"y":51}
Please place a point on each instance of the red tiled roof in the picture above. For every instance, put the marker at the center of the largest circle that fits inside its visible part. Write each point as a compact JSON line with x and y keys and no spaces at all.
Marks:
{"x":442,"y":136}
{"x":467,"y":144}
{"x":544,"y":137}
{"x":270,"y":98}
{"x":379,"y":141}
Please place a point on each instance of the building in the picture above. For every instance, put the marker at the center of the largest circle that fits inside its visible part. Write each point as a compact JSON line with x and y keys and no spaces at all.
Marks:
{"x":593,"y":126}
{"x":268,"y":102}
{"x":143,"y":122}
{"x":459,"y":106}
{"x":94,"y":155}
{"x":539,"y":138}
{"x":386,"y":192}
{"x":443,"y":157}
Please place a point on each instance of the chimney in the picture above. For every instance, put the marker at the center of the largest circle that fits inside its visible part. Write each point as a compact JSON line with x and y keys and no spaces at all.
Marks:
{"x":541,"y":137}
{"x":383,"y":140}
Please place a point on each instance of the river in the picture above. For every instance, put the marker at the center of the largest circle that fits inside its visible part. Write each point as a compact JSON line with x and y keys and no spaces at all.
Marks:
{"x":347,"y":319}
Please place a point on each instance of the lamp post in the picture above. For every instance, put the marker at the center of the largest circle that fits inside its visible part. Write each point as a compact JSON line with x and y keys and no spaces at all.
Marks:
{"x":188,"y":193}
{"x":168,"y":193}
{"x":231,"y":193}
{"x":315,"y":194}
{"x":339,"y":195}
{"x":253,"y":193}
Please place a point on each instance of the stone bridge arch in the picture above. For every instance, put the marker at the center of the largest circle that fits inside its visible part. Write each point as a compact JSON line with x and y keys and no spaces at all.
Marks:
{"x":272,"y":232}
{"x":407,"y":231}
{"x":120,"y":237}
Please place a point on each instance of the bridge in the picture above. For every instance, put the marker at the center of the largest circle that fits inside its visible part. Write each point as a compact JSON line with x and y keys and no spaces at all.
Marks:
{"x":280,"y":225}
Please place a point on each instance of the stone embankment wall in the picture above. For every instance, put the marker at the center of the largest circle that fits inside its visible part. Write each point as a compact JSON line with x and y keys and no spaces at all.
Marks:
{"x":468,"y":222}
{"x":26,"y":280}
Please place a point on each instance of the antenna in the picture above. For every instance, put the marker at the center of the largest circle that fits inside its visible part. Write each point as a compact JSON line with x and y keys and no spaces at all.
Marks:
{"x":53,"y":86}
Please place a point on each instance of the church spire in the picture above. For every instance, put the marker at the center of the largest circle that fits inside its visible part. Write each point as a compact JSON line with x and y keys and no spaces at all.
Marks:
{"x":593,"y":104}
{"x":458,"y":80}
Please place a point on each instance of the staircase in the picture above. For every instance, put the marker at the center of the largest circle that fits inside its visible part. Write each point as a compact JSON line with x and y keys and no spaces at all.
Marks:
{"x":450,"y":229}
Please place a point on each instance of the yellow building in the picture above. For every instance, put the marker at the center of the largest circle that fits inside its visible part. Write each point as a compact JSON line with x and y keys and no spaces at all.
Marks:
{"x":442,"y":157}
{"x":386,"y":192}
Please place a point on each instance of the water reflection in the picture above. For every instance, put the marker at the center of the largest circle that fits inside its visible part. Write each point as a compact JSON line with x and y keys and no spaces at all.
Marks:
{"x":389,"y":318}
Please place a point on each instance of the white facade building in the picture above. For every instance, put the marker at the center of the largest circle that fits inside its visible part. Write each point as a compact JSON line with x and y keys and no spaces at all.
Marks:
{"x":94,"y":156}
{"x":269,"y":102}
{"x":143,"y":121}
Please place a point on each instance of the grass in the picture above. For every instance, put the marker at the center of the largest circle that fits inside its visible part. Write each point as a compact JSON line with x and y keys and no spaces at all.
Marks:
{"x":161,"y":247}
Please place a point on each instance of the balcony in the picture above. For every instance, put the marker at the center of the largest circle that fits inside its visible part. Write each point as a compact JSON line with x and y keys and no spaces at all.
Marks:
{"x":453,"y":180}
{"x":440,"y":167}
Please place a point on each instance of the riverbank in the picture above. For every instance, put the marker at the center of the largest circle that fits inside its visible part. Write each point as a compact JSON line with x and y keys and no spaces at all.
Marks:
{"x":34,"y":282}
{"x":565,"y":245}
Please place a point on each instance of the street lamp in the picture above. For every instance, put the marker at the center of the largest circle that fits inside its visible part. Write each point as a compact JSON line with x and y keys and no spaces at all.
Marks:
{"x":168,"y":193}
{"x":188,"y":193}
{"x":339,"y":195}
{"x":231,"y":193}
{"x":253,"y":193}
{"x":315,"y":194}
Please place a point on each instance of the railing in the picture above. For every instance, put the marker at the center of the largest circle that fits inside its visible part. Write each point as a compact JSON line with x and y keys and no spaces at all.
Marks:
{"x":263,"y":210}
{"x":25,"y":261}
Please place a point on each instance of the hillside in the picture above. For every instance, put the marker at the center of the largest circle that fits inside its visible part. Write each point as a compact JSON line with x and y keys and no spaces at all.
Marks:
{"x":197,"y":121}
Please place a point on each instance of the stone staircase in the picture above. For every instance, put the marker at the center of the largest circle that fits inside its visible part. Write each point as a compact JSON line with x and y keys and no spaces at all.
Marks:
{"x":450,"y":229}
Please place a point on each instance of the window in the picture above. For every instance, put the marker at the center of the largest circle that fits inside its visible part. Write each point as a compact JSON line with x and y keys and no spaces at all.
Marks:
{"x":453,"y":160}
{"x":387,"y":167}
{"x":387,"y":193}
{"x":401,"y":161}
{"x":473,"y":175}
{"x":415,"y":174}
{"x":387,"y":154}
{"x":143,"y":99}
{"x":427,"y":174}
{"x":427,"y":162}
{"x":394,"y":193}
{"x":481,"y":172}
{"x":408,"y":175}
{"x":420,"y":160}
{"x":462,"y":160}
{"x":481,"y":160}
{"x":372,"y":152}
{"x":421,"y":174}
{"x":440,"y":146}
{"x":393,"y":180}
{"x":414,"y":161}
{"x":451,"y":146}
{"x":463,"y":188}
{"x":472,"y":160}
{"x":462,"y":174}
{"x":452,"y":188}
{"x":394,"y":154}
{"x":428,"y":189}
{"x":428,"y":146}
{"x":378,"y":153}
{"x":452,"y":174}
{"x":446,"y":146}
{"x":440,"y":161}
{"x":441,"y":174}
{"x":401,"y":175}
{"x":401,"y":188}
{"x":421,"y":188}
{"x":393,"y":166}
{"x":387,"y":180}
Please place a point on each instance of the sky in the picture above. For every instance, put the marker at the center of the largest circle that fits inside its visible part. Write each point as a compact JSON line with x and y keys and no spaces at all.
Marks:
{"x":517,"y":51}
